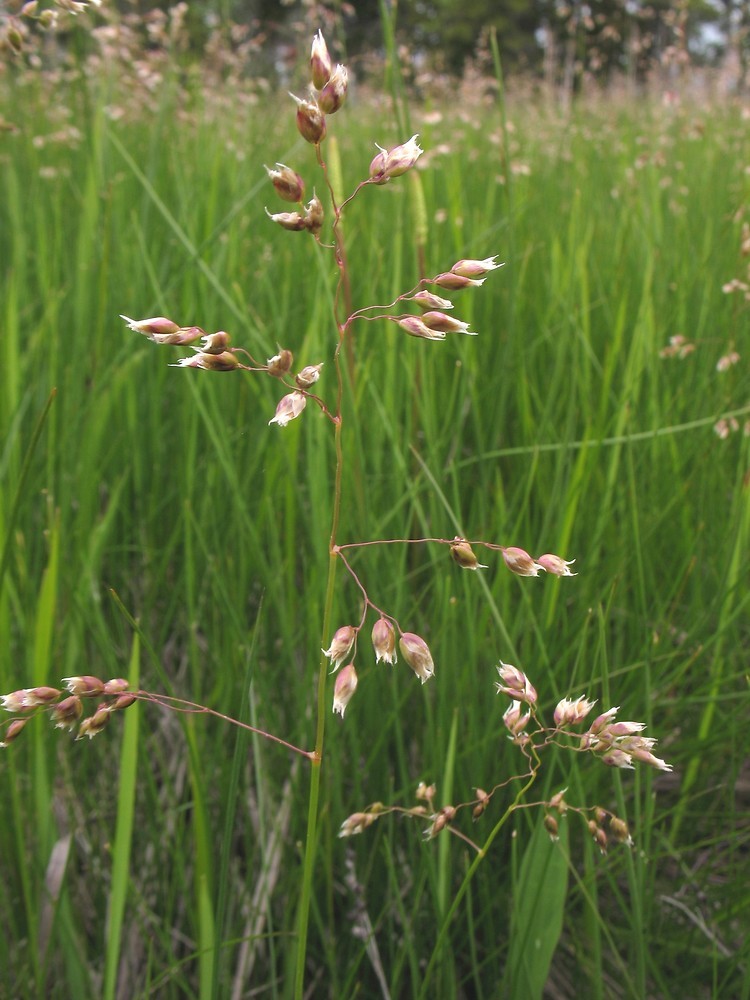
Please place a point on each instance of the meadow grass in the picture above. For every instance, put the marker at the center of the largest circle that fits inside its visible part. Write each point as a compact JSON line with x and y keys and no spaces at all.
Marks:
{"x":153,"y":526}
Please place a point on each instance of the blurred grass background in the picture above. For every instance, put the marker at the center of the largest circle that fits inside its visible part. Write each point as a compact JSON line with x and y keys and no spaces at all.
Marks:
{"x":559,"y":428}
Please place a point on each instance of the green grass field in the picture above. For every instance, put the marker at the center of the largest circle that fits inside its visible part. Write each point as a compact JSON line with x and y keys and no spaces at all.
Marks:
{"x":164,"y":858}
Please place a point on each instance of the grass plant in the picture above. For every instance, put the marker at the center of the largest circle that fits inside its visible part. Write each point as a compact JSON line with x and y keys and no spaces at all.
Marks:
{"x":153,"y":526}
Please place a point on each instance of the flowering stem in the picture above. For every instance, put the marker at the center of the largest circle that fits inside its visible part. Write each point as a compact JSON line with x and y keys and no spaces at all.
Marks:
{"x":317,"y":760}
{"x":317,"y":757}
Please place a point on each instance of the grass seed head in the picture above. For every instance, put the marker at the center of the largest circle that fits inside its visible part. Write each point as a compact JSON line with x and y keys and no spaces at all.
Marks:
{"x":394,"y":162}
{"x":333,"y":94}
{"x":599,"y":836}
{"x":289,"y":408}
{"x":341,"y":645}
{"x":475,"y":268}
{"x":556,"y":565}
{"x":13,"y":730}
{"x":83,"y":687}
{"x":463,"y":555}
{"x":344,"y":688}
{"x":415,"y":327}
{"x":280,"y":363}
{"x":426,"y":300}
{"x":356,"y":823}
{"x":384,"y":641}
{"x":321,"y":64}
{"x":66,"y":713}
{"x":293,"y":221}
{"x":287,"y":183}
{"x":308,"y":376}
{"x":417,"y":654}
{"x":311,"y":122}
{"x":92,"y":725}
{"x":550,"y":825}
{"x":436,"y":320}
{"x":454,"y":282}
{"x":569,"y":712}
{"x":514,"y":720}
{"x":314,"y":215}
{"x":215,"y":343}
{"x":515,"y":684}
{"x":520,"y":562}
{"x":28,"y":698}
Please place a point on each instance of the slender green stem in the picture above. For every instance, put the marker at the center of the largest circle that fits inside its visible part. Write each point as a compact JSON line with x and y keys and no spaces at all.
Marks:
{"x":312,"y":812}
{"x":317,"y":759}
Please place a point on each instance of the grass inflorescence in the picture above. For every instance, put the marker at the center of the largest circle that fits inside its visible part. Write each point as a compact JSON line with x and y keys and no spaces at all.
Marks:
{"x":154,"y":527}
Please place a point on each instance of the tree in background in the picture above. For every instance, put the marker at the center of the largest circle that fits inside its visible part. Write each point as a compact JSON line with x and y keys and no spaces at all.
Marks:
{"x":567,"y":42}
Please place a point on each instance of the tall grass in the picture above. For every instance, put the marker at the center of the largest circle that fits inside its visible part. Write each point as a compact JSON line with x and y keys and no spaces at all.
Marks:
{"x":155,"y":496}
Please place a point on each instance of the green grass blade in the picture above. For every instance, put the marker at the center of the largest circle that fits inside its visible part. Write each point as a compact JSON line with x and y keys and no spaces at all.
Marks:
{"x":121,"y":851}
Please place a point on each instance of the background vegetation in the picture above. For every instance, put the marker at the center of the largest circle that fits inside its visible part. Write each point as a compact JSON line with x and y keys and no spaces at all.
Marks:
{"x":163,"y":858}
